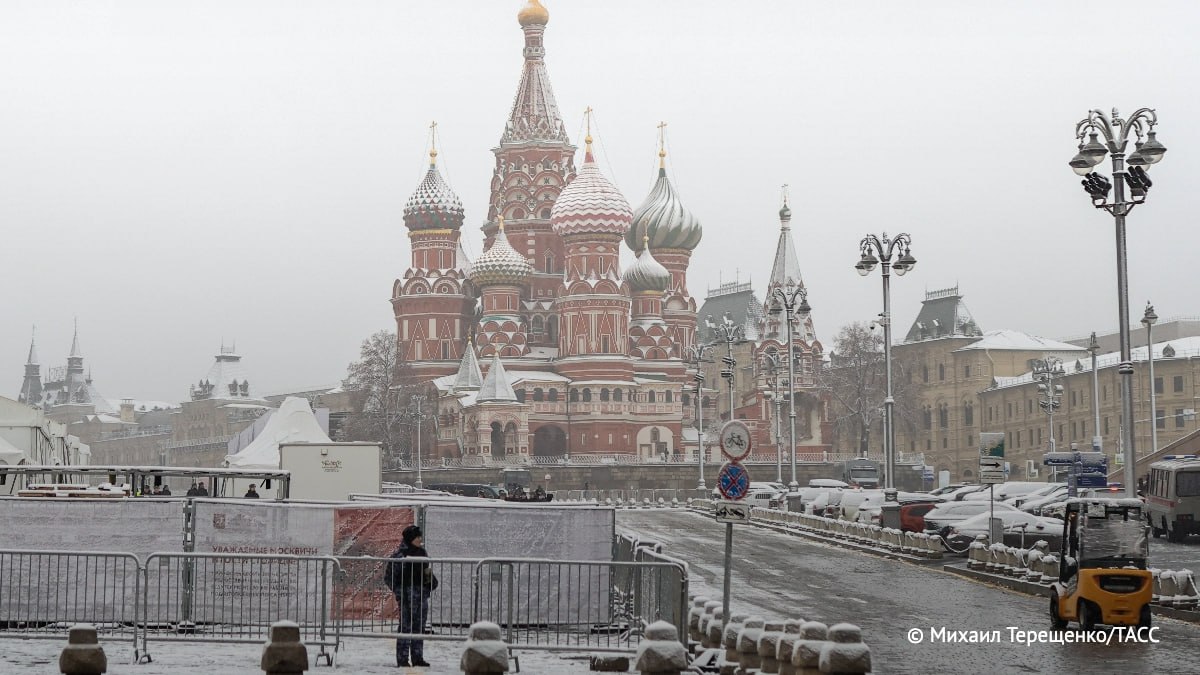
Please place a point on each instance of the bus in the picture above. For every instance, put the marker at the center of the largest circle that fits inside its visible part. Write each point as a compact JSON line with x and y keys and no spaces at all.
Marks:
{"x":1173,"y":496}
{"x":864,"y":473}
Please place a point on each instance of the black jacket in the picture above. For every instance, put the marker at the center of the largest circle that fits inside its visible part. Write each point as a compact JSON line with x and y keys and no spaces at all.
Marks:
{"x":404,"y":575}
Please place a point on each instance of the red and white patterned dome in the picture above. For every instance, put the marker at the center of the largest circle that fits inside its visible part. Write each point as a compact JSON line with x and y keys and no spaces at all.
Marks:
{"x":590,"y":204}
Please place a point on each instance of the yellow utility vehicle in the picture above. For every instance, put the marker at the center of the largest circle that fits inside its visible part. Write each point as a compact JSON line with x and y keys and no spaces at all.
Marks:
{"x":1103,"y":578}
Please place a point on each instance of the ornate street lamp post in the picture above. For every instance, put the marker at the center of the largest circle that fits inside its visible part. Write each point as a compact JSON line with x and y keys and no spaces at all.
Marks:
{"x":418,"y":413}
{"x":1097,"y":439}
{"x":1148,"y":151}
{"x":777,"y":398}
{"x":729,"y":333}
{"x":697,"y":356}
{"x":1044,"y":372}
{"x":792,"y":300}
{"x":880,"y":251}
{"x":1148,"y":320}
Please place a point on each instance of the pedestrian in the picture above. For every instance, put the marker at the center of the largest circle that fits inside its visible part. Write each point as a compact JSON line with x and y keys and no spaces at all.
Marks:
{"x":251,"y":492}
{"x":411,"y":584}
{"x":166,"y":491}
{"x":201,"y":490}
{"x":192,"y":492}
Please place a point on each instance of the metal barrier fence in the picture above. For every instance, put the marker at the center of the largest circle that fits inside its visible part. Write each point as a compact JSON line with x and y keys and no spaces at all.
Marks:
{"x":222,"y":597}
{"x":365,"y":607}
{"x":597,"y":605}
{"x":234,"y":598}
{"x":42,"y":593}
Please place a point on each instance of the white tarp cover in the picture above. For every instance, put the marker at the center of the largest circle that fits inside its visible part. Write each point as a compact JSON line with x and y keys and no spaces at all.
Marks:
{"x":541,"y":594}
{"x":9,"y":453}
{"x":294,"y":422}
{"x":87,"y":587}
{"x":265,"y":592}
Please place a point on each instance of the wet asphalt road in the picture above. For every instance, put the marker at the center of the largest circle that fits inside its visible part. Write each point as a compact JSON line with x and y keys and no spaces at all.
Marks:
{"x":778,"y":575}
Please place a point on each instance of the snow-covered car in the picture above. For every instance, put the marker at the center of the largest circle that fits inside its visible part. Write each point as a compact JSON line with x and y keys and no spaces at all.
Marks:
{"x":827,"y":483}
{"x":871,"y":508}
{"x":767,"y":498}
{"x":799,"y":499}
{"x":947,"y":489}
{"x":962,"y":533}
{"x":1045,"y":489}
{"x":958,"y":494}
{"x":1003,"y":491}
{"x":1031,"y":503}
{"x":943,"y":516}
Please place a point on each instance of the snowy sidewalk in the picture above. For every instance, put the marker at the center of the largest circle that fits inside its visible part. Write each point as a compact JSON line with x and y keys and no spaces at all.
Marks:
{"x":359,"y":656}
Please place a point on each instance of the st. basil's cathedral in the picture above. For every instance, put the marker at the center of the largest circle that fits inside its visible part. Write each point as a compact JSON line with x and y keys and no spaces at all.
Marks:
{"x":581,"y":358}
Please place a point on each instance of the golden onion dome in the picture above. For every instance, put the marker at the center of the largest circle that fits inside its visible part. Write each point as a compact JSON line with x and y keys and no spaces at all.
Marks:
{"x":533,"y":14}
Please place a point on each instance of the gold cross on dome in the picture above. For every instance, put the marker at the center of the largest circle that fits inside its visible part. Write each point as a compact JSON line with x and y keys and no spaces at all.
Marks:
{"x":662,"y":144}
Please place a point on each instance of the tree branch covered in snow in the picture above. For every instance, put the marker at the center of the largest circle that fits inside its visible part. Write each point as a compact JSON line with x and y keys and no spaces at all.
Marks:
{"x":857,"y":381}
{"x":381,"y":399}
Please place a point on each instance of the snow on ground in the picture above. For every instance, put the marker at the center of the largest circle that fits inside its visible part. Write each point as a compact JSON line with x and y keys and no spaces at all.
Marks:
{"x":360,"y":656}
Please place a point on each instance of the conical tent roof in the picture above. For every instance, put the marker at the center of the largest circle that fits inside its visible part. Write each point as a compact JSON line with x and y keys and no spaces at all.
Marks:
{"x":469,"y":377}
{"x":294,"y":422}
{"x":496,"y":386}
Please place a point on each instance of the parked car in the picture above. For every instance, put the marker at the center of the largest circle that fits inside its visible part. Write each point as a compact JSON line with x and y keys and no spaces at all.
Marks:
{"x":800,"y":499}
{"x":962,"y":533}
{"x":827,"y":483}
{"x":940,"y":518}
{"x":1031,"y":503}
{"x":1003,"y":491}
{"x":959,"y":494}
{"x":912,"y":515}
{"x":870,"y":508}
{"x":767,"y":498}
{"x":946,"y":489}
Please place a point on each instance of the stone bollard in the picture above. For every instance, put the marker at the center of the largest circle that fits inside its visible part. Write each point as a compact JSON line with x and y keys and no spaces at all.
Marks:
{"x":1188,"y":597}
{"x":660,"y":652}
{"x":484,"y":652}
{"x":845,"y":652}
{"x":729,"y":641}
{"x":712,"y":609}
{"x":933,"y":546}
{"x":977,"y":553}
{"x":83,"y":654}
{"x":714,"y":630}
{"x":1033,"y":564}
{"x":791,"y":633}
{"x":747,"y":645}
{"x":674,"y":502}
{"x":806,"y":651}
{"x":768,"y":647}
{"x":694,"y":615}
{"x":284,"y":653}
{"x":1049,"y":569}
{"x":1168,"y":587}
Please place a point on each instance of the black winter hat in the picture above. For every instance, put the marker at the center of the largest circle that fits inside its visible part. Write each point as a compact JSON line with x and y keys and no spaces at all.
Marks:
{"x":410,"y":533}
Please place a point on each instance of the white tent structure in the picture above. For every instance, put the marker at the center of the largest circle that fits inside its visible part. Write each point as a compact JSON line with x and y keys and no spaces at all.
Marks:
{"x":294,"y":422}
{"x":10,"y":454}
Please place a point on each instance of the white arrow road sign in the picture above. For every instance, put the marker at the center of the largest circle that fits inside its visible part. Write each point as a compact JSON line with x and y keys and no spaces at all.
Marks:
{"x":732,"y":512}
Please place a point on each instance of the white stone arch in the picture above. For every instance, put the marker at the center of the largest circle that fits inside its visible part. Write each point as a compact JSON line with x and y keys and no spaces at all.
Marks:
{"x":655,"y":440}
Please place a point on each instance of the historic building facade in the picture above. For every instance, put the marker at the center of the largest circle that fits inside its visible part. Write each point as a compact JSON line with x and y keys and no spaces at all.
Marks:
{"x":581,"y":356}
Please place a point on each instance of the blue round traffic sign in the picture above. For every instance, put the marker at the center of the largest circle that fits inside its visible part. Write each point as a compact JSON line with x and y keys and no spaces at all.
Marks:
{"x":733,"y":481}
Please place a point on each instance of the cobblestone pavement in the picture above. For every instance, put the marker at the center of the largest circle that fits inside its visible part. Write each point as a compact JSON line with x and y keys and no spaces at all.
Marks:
{"x":778,"y":575}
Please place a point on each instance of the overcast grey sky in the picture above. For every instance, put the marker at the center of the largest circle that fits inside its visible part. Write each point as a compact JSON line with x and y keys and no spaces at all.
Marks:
{"x":178,"y":173}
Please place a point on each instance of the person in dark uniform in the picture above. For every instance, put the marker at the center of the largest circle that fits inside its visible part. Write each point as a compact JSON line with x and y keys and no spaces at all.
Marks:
{"x":411,"y":584}
{"x":251,"y":492}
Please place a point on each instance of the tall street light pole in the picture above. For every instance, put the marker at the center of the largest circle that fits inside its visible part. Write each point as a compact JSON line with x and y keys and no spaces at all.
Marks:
{"x":730,"y":333}
{"x":1148,"y":320}
{"x":418,"y":401}
{"x":792,"y":300}
{"x":696,"y":354}
{"x":1148,"y":151}
{"x":880,"y":251}
{"x":1044,"y":372}
{"x":777,"y":399}
{"x":1097,"y":439}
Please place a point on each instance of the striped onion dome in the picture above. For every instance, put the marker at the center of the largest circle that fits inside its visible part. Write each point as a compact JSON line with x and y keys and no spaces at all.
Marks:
{"x":433,"y":206}
{"x":590,"y":204}
{"x":500,"y":264}
{"x":664,"y":219}
{"x":646,"y":273}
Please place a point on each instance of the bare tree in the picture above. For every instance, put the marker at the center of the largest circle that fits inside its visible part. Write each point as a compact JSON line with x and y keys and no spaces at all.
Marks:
{"x":381,"y":398}
{"x":857,"y":381}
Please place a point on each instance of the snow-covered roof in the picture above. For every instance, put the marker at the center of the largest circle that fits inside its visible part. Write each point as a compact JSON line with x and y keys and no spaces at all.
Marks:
{"x":1015,"y":340}
{"x":516,"y":376}
{"x":1187,"y":347}
{"x":141,"y":405}
{"x":106,"y":419}
{"x":246,"y":406}
{"x":226,"y":379}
